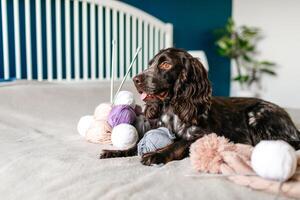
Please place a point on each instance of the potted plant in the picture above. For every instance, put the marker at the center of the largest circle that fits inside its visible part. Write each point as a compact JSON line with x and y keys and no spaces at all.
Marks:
{"x":239,"y":44}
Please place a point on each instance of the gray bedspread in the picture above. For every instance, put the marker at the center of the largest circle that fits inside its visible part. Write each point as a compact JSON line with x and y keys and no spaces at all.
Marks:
{"x":43,"y":157}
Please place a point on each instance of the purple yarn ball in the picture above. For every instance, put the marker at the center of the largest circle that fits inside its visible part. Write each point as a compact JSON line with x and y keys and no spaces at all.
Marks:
{"x":121,"y":114}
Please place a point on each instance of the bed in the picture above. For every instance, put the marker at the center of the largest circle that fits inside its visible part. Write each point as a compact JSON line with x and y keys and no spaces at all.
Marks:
{"x":43,"y":156}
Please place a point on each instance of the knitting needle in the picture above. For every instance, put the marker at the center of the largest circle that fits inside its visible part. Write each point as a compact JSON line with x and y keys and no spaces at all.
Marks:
{"x":113,"y":63}
{"x":128,"y":70}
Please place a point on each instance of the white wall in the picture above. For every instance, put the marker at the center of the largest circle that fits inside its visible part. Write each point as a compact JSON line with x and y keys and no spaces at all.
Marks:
{"x":280,"y":23}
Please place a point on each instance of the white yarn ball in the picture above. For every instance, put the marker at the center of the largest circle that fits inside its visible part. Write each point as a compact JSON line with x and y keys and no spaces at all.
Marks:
{"x":275,"y":160}
{"x":84,"y":124}
{"x":125,"y":98}
{"x":102,"y":111}
{"x":124,"y":136}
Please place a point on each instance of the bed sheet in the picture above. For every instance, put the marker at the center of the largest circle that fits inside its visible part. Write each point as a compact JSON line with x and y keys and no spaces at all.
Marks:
{"x":43,"y":156}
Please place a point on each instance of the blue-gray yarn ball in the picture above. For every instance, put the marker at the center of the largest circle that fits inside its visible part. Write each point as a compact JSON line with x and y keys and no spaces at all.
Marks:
{"x":155,"y":139}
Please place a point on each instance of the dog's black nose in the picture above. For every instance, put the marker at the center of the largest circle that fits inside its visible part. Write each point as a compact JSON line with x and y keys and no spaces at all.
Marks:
{"x":138,"y":79}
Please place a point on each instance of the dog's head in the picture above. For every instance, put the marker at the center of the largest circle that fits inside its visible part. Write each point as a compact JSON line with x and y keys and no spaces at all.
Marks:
{"x":174,"y":76}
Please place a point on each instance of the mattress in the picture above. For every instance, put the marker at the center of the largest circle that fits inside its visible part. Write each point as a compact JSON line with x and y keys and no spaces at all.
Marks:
{"x":43,"y":157}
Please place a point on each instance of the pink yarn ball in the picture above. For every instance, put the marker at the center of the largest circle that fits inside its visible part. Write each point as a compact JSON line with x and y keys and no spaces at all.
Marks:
{"x":99,"y":132}
{"x":121,"y":114}
{"x":206,"y":153}
{"x":102,"y":111}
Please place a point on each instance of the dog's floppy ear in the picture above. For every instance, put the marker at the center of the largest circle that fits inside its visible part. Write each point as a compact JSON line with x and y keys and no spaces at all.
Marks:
{"x":153,"y":109}
{"x":192,"y":91}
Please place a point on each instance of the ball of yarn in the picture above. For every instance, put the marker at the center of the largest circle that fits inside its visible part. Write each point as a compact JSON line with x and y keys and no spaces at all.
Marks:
{"x":125,"y":98}
{"x":275,"y":160}
{"x":142,"y":125}
{"x":121,"y":114}
{"x":155,"y":139}
{"x":102,"y":111}
{"x":206,"y":153}
{"x":99,"y":132}
{"x":124,"y":136}
{"x":83,"y":124}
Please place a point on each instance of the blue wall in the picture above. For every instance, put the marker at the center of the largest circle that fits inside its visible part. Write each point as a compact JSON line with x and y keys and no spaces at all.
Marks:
{"x":194,"y":21}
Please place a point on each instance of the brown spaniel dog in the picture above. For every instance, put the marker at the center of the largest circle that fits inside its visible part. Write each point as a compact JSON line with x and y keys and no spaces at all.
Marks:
{"x":178,"y":96}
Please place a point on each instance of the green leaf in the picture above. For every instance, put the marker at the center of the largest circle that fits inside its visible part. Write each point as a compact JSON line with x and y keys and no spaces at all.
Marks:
{"x":222,"y":44}
{"x":225,"y":46}
{"x":247,"y":58}
{"x":267,"y":63}
{"x":250,"y":32}
{"x":250,"y":48}
{"x":268,"y":71}
{"x":245,"y":45}
{"x":222,"y":52}
{"x":241,"y":78}
{"x":230,"y":25}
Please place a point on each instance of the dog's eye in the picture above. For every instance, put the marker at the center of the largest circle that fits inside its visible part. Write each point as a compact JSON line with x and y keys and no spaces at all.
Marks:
{"x":165,"y":65}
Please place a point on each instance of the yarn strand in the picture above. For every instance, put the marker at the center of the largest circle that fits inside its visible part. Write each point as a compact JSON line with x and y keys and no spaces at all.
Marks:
{"x":127,"y":73}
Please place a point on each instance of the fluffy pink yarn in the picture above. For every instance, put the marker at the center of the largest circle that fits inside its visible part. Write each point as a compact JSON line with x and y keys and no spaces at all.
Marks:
{"x":207,"y":153}
{"x":99,"y":132}
{"x":102,"y":111}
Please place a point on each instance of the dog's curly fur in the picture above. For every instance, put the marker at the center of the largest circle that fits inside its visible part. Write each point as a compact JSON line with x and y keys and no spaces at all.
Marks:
{"x":179,"y":98}
{"x":193,"y":88}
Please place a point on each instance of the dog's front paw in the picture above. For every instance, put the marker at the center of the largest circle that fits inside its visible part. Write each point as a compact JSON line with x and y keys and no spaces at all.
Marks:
{"x":153,"y":158}
{"x":107,"y":154}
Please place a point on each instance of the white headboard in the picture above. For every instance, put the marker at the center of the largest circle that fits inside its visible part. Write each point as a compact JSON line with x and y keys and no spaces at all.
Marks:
{"x":72,"y":39}
{"x":201,"y":56}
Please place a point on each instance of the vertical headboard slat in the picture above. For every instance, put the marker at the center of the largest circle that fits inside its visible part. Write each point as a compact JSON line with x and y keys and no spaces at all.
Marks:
{"x":100,"y":43}
{"x":39,"y":39}
{"x":107,"y":42}
{"x":58,"y":39}
{"x":145,"y":44}
{"x":93,"y":41}
{"x":5,"y":40}
{"x":17,"y":39}
{"x":115,"y":36}
{"x":121,"y":43}
{"x":85,"y":40}
{"x":133,"y":42}
{"x":140,"y":43}
{"x":151,"y":41}
{"x":49,"y":41}
{"x":127,"y":43}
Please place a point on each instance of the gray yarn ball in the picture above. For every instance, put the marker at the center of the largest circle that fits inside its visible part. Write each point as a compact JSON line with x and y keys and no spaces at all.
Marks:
{"x":155,"y":139}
